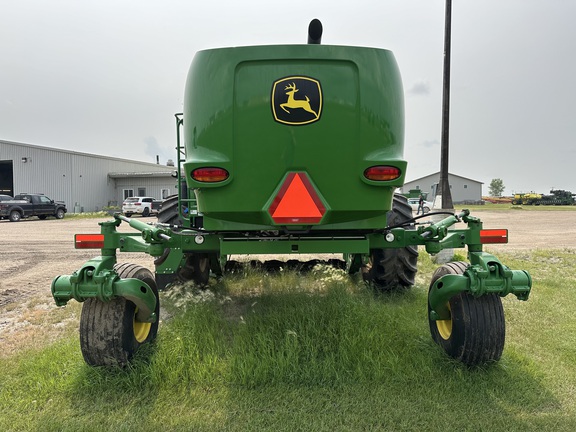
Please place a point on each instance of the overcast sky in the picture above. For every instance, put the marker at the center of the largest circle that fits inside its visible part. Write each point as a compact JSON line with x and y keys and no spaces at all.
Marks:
{"x":107,"y":76}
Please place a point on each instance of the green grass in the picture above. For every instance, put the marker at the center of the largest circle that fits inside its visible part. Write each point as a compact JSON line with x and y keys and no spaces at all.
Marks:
{"x":88,"y":215}
{"x":312,"y":353}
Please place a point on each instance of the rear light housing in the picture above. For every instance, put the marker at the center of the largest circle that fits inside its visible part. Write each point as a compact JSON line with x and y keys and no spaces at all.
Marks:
{"x":382,"y":173}
{"x":210,"y":175}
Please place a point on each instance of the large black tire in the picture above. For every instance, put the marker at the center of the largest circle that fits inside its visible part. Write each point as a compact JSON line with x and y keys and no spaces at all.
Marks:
{"x":109,"y":332}
{"x":196,"y":269}
{"x":59,"y":214}
{"x":169,"y":214}
{"x":197,"y":266}
{"x":476,"y":331}
{"x":146,"y":212}
{"x":393,"y":269}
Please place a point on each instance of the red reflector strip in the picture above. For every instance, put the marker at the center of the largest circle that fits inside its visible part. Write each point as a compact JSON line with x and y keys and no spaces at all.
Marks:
{"x":89,"y":241}
{"x":382,"y":173}
{"x":488,"y":236}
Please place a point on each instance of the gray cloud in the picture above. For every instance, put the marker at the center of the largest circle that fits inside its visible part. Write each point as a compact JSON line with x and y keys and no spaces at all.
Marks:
{"x":106,"y":76}
{"x":430,"y":143}
{"x":420,"y":88}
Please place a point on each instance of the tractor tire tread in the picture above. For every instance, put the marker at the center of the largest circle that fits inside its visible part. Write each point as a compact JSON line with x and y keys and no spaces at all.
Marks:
{"x":478,"y":324}
{"x":394,"y":269}
{"x":169,"y":212}
{"x":106,"y":328}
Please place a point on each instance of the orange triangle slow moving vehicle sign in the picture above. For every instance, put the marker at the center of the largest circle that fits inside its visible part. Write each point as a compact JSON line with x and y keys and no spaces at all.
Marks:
{"x":297,"y":202}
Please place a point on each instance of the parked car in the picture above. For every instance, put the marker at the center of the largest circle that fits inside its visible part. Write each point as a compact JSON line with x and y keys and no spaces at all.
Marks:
{"x":26,"y":205}
{"x":414,"y":204}
{"x":139,"y":205}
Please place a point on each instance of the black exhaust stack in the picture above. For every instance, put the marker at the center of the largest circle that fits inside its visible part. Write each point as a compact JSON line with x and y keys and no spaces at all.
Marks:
{"x":315,"y":32}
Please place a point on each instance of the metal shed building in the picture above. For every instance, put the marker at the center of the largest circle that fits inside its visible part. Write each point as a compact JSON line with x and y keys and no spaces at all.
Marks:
{"x":464,"y":190}
{"x":86,"y":182}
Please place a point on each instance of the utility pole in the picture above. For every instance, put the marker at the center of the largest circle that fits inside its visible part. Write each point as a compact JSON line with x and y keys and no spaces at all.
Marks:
{"x":444,"y":185}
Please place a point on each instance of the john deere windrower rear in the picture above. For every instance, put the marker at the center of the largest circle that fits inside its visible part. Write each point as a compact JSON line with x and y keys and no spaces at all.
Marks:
{"x":291,"y":149}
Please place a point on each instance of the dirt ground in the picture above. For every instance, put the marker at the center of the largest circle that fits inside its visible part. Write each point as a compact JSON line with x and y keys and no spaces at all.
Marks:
{"x":33,"y":252}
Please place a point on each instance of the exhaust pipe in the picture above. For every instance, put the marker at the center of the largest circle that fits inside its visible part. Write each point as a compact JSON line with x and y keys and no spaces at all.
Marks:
{"x":315,"y":32}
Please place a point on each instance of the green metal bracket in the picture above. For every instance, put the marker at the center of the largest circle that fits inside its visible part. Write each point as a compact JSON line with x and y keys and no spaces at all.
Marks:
{"x":97,"y":279}
{"x":489,"y":275}
{"x":181,"y":153}
{"x":151,"y":239}
{"x":484,"y":276}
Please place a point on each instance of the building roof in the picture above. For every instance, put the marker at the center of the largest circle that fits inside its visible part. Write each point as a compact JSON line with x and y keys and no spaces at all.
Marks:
{"x":54,"y":149}
{"x":140,"y":174}
{"x":438,"y":173}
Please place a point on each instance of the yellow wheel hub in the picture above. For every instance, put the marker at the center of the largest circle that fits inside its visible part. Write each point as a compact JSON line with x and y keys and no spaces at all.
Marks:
{"x":445,"y":327}
{"x":141,"y":329}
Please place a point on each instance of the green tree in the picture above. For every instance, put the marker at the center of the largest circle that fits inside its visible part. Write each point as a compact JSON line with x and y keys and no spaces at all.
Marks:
{"x":496,"y":187}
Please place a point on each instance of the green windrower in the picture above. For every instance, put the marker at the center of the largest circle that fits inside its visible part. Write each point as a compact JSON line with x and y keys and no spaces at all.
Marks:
{"x":291,"y":149}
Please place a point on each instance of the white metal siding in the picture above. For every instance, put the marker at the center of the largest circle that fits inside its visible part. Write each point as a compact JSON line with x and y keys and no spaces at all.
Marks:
{"x":473,"y":191}
{"x":79,"y":179}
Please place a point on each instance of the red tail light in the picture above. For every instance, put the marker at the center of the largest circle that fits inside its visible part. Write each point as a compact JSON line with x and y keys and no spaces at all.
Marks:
{"x":488,"y":236}
{"x":382,"y":173}
{"x":89,"y":241}
{"x":210,"y":175}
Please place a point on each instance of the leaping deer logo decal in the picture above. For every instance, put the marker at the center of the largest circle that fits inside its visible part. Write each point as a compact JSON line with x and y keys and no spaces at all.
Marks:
{"x":296,"y":111}
{"x":296,"y":103}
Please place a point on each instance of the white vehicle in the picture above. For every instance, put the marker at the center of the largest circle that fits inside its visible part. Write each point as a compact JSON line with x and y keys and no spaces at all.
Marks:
{"x":138,"y":205}
{"x":414,"y":204}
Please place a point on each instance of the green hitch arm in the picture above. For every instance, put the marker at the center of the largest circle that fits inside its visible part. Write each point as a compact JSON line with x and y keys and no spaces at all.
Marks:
{"x":440,"y":228}
{"x":95,"y":280}
{"x":150,"y":234}
{"x":486,"y":277}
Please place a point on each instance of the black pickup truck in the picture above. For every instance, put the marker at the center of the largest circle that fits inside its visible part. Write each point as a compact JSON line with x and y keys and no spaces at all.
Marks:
{"x":26,"y":205}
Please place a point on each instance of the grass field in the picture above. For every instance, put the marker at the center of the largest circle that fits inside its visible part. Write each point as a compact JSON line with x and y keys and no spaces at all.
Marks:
{"x":317,"y":352}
